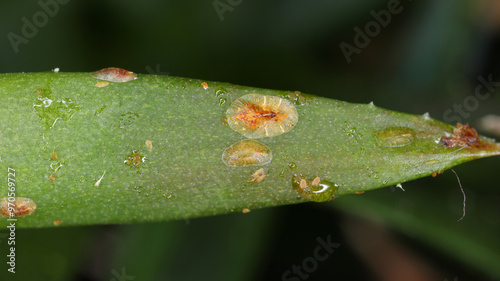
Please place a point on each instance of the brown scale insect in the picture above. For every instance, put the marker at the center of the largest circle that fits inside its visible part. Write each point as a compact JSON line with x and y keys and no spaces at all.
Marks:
{"x":19,"y":207}
{"x":258,"y":116}
{"x":463,"y":136}
{"x":247,"y":153}
{"x":114,"y":74}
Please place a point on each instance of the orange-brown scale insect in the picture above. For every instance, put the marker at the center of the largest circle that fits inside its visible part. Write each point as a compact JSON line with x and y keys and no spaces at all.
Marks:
{"x":114,"y":74}
{"x":463,"y":136}
{"x":258,"y":116}
{"x":18,"y":207}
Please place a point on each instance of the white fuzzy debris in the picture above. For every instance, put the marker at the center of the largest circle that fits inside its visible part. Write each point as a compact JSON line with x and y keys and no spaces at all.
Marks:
{"x":56,"y":70}
{"x":99,"y":181}
{"x":427,"y":116}
{"x":371,"y":103}
{"x":400,"y":186}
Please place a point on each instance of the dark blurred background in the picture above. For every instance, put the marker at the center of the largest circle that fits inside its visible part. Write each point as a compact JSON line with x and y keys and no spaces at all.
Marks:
{"x":412,"y":56}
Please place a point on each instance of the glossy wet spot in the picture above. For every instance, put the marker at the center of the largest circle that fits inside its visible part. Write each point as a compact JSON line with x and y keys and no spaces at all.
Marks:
{"x":247,"y":153}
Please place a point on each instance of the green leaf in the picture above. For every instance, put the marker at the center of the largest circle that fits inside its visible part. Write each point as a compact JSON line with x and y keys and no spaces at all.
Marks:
{"x":151,"y":149}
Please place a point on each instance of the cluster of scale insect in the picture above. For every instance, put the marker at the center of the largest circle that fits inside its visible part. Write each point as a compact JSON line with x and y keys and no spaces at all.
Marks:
{"x":257,"y":116}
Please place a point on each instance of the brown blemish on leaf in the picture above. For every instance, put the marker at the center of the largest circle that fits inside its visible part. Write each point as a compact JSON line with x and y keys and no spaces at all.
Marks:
{"x":114,"y":74}
{"x":205,"y":85}
{"x":149,"y":145}
{"x":247,"y":153}
{"x":245,"y":211}
{"x":102,"y":84}
{"x":259,"y":175}
{"x":466,"y":136}
{"x":18,"y":207}
{"x":258,"y":116}
{"x":134,"y":159}
{"x":53,"y":155}
{"x":395,"y":136}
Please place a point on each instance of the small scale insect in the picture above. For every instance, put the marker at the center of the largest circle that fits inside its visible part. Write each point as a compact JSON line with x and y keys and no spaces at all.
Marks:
{"x":247,"y":153}
{"x":259,"y":175}
{"x":58,"y":222}
{"x":245,"y":211}
{"x":17,"y":206}
{"x":53,"y":155}
{"x":101,"y":84}
{"x":205,"y":85}
{"x":297,"y":97}
{"x":258,"y":116}
{"x":149,"y":145}
{"x":114,"y":74}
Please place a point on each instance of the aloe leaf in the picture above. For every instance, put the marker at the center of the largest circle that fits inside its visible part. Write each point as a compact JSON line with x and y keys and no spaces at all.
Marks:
{"x":87,"y":151}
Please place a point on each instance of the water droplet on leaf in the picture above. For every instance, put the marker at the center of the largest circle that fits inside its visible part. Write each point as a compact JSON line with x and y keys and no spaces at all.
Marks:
{"x":222,"y":101}
{"x":314,"y":189}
